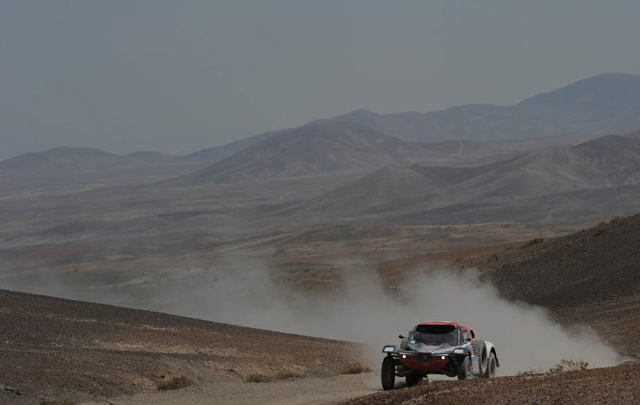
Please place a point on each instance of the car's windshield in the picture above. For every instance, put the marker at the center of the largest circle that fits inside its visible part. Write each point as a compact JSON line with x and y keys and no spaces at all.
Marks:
{"x":436,"y":335}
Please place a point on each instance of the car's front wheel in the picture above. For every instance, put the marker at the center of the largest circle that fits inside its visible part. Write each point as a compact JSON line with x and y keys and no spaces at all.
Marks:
{"x":388,"y":373}
{"x":463,"y":371}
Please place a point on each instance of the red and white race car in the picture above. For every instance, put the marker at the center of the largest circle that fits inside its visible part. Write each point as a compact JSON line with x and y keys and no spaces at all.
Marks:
{"x":438,"y":348}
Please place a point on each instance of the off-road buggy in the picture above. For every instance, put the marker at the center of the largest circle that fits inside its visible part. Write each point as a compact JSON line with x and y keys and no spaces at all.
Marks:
{"x":438,"y":348}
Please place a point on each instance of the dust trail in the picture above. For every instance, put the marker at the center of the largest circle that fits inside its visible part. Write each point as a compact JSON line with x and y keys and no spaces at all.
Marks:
{"x":243,"y":292}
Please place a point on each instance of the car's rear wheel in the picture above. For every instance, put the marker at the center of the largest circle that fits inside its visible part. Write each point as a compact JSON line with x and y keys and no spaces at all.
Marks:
{"x":388,"y":373}
{"x":491,"y":367}
{"x":463,"y":371}
{"x":413,"y":379}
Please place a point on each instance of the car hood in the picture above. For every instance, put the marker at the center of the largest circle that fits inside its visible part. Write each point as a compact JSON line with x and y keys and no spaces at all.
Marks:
{"x":424,"y":348}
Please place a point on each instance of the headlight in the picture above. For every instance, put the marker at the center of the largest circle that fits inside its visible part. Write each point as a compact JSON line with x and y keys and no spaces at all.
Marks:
{"x":443,"y":357}
{"x":404,"y":356}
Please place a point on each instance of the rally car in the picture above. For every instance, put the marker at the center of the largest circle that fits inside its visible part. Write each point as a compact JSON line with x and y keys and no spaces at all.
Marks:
{"x":438,"y":348}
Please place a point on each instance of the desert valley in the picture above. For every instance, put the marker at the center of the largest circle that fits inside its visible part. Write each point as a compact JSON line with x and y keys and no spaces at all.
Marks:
{"x":273,"y":269}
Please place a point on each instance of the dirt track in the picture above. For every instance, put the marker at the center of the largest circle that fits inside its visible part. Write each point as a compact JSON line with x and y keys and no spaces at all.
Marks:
{"x":230,"y":391}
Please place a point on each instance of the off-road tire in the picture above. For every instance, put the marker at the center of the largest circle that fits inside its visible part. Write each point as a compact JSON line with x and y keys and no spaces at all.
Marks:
{"x":491,"y":366}
{"x":413,"y":379}
{"x":388,"y":373}
{"x":480,"y":352}
{"x":463,"y":371}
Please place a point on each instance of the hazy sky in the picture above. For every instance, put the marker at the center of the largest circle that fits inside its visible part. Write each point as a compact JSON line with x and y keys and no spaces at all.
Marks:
{"x":178,"y":76}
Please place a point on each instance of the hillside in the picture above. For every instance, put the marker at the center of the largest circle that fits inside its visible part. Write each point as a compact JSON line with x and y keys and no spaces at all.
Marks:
{"x":218,"y":153}
{"x":606,"y":102}
{"x":591,"y":266}
{"x":587,"y":179}
{"x":311,"y":150}
{"x":601,"y":163}
{"x":385,"y":188}
{"x":597,"y":94}
{"x":393,"y":189}
{"x":61,"y":348}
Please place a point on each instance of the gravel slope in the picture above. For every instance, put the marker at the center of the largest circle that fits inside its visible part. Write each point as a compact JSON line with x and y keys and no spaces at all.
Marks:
{"x":55,"y":348}
{"x":616,"y":385}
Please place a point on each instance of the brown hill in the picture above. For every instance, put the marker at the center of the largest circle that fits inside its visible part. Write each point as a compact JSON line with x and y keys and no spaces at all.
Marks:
{"x":588,"y":267}
{"x":311,"y":150}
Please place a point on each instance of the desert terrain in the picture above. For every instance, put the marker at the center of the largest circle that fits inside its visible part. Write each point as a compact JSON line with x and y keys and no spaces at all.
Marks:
{"x":95,"y":353}
{"x":273,"y":269}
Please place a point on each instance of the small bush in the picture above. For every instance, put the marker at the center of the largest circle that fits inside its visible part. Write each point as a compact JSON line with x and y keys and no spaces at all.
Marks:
{"x":288,"y":374}
{"x":620,"y":220}
{"x":601,"y":231}
{"x":355,"y":369}
{"x":175,"y":383}
{"x":533,"y":242}
{"x":65,"y":401}
{"x":530,"y":372}
{"x":569,"y":365}
{"x":256,"y":378}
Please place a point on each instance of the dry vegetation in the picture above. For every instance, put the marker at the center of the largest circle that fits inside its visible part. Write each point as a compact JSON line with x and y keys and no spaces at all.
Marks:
{"x":65,"y":401}
{"x":281,"y":375}
{"x":569,"y":365}
{"x":355,"y":369}
{"x":175,"y":383}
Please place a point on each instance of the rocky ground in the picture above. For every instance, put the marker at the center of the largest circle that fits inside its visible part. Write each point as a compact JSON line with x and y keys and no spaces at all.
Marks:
{"x":54,"y":348}
{"x":614,"y":385}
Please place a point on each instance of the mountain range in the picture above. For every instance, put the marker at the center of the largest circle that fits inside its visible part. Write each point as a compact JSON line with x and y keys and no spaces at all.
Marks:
{"x":393,"y":177}
{"x":65,"y":165}
{"x":607,"y":102}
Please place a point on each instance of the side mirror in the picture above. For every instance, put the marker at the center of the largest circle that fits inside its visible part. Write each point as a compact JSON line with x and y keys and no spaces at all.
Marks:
{"x":402,"y":337}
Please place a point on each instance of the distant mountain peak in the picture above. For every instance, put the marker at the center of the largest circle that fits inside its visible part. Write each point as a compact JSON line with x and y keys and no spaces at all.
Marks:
{"x":363,"y":113}
{"x":602,"y":90}
{"x":316,"y":148}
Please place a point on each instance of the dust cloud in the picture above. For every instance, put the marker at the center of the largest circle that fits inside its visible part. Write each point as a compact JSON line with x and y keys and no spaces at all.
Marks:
{"x":246,"y":293}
